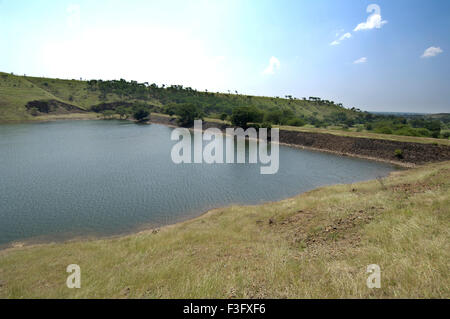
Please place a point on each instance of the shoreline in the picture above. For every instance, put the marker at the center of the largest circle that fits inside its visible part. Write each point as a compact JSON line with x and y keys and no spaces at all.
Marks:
{"x":143,"y":229}
{"x":328,"y":234}
{"x":38,"y":241}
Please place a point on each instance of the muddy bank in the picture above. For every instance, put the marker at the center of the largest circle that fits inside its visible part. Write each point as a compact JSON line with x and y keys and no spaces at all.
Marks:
{"x":390,"y":151}
{"x":402,"y":153}
{"x":54,"y":107}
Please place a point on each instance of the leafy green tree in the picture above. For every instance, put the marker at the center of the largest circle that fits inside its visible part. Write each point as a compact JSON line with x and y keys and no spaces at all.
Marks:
{"x":223,"y":116}
{"x":243,"y":115}
{"x":171,"y":109}
{"x":188,"y":113}
{"x":296,"y":122}
{"x":141,"y":114}
{"x":274,"y":116}
{"x":383,"y":130}
{"x":108,"y":114}
{"x":124,"y":112}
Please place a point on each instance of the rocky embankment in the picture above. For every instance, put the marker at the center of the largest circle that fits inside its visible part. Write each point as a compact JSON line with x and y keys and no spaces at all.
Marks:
{"x":402,"y":153}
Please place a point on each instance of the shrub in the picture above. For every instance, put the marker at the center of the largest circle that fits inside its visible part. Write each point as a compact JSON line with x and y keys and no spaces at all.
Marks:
{"x":123,"y":112}
{"x":398,"y":154}
{"x":384,"y":130}
{"x":296,"y":122}
{"x":141,"y":114}
{"x":223,"y":116}
{"x":34,"y":111}
{"x":108,"y":114}
{"x":243,"y":115}
{"x":188,"y":113}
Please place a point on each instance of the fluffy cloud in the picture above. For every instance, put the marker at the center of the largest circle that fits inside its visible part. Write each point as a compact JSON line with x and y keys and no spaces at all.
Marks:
{"x":374,"y":21}
{"x":361,"y":60}
{"x":347,"y":35}
{"x":431,"y":52}
{"x":274,"y":64}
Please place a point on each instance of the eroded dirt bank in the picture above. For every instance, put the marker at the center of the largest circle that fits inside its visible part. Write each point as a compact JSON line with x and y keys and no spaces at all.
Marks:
{"x":384,"y":150}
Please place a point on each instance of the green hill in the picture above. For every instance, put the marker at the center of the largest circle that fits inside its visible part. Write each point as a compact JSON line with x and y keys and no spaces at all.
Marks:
{"x":16,"y":92}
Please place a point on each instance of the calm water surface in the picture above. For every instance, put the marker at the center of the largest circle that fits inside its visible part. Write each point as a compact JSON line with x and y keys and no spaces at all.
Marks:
{"x":60,"y":180}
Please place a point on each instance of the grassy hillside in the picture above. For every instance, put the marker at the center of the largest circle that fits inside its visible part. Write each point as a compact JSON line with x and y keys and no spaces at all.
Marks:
{"x":65,"y":96}
{"x":17,"y":91}
{"x":316,"y":245}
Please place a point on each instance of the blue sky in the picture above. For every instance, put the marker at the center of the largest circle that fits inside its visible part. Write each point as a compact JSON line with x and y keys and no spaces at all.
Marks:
{"x":336,"y":50}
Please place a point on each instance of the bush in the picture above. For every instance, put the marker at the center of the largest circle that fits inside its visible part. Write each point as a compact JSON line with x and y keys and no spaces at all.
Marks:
{"x":170,"y":109}
{"x":123,"y":112}
{"x":108,"y":114}
{"x":188,"y":113}
{"x":34,"y":111}
{"x":243,"y":115}
{"x":383,"y":130}
{"x":141,"y":114}
{"x":296,"y":122}
{"x":398,"y":154}
{"x":424,"y":132}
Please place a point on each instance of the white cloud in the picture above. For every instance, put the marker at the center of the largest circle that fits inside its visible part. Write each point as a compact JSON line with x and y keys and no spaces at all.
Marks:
{"x":347,"y":35}
{"x":274,"y":64}
{"x":360,"y":60}
{"x":374,"y":21}
{"x":431,"y":52}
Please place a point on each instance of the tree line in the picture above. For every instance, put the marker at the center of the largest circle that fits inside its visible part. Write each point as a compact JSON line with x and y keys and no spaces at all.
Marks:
{"x":139,"y":99}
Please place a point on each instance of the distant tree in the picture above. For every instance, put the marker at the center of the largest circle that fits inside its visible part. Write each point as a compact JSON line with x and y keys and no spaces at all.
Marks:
{"x":188,"y":113}
{"x":108,"y":114}
{"x":141,"y":114}
{"x":223,"y":116}
{"x":243,"y":115}
{"x":296,"y":122}
{"x":274,"y":116}
{"x":434,"y":127}
{"x":34,"y":111}
{"x":383,"y":130}
{"x":124,"y":112}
